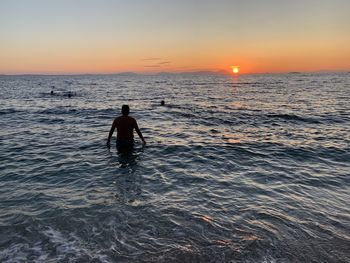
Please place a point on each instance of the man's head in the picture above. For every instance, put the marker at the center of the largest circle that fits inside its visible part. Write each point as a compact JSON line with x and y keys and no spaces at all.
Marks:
{"x":125,"y":110}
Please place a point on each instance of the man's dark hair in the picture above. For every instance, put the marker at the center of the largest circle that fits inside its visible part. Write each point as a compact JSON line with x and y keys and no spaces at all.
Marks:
{"x":125,"y":109}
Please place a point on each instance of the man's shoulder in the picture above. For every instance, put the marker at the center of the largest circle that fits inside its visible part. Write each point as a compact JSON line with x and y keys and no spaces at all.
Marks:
{"x":132,"y":121}
{"x":128,"y":118}
{"x":118,"y":119}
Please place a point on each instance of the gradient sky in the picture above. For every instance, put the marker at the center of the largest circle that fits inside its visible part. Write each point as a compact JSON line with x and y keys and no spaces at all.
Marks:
{"x":106,"y":36}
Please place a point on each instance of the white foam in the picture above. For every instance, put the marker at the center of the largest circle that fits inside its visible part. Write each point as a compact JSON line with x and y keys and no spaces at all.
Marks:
{"x":66,"y":247}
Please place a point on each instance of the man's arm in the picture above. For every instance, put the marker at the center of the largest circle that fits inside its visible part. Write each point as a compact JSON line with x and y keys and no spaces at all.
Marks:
{"x":114,"y":125}
{"x":139,"y":132}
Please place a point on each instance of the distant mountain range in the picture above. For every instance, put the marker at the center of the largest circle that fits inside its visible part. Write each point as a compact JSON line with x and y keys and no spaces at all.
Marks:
{"x":202,"y":72}
{"x":129,"y":73}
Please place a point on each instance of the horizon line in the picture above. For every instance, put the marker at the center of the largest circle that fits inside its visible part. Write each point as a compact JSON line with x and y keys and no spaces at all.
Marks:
{"x":215,"y":72}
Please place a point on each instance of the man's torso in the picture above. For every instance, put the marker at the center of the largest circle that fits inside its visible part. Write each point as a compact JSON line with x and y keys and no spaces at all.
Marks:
{"x":125,"y":127}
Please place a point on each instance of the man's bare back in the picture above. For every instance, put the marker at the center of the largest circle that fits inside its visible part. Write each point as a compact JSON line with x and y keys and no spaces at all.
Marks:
{"x":125,"y":126}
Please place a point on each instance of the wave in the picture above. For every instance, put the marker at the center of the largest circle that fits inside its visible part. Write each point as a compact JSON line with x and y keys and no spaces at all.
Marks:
{"x":293,"y":117}
{"x":9,"y":111}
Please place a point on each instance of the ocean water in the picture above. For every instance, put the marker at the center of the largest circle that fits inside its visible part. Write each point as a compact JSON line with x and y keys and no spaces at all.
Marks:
{"x":247,"y":169}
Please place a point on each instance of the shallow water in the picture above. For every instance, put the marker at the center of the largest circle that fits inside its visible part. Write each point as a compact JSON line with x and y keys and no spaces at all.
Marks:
{"x":247,"y":169}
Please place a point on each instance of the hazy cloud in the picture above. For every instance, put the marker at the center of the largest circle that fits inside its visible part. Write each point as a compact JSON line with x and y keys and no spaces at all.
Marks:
{"x":152,"y":66}
{"x":164,"y":62}
{"x":157,"y":62}
{"x":148,"y":59}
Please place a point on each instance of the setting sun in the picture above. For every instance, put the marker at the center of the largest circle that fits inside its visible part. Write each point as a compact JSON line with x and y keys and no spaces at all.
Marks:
{"x":235,"y":69}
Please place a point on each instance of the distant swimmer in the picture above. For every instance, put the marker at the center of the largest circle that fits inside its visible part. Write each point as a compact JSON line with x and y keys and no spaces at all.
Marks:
{"x":69,"y":95}
{"x":162,"y":103}
{"x":125,"y":126}
{"x":52,"y":93}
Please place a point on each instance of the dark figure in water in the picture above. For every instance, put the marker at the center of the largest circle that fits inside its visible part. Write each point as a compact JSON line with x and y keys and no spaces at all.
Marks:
{"x":162,"y":103}
{"x":125,"y":126}
{"x":69,"y":95}
{"x":52,"y":93}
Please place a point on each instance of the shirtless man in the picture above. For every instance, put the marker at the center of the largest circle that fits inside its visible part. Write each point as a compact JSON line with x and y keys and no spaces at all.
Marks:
{"x":125,"y":130}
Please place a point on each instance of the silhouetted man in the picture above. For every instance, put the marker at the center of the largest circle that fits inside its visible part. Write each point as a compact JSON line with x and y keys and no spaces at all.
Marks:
{"x":125,"y":130}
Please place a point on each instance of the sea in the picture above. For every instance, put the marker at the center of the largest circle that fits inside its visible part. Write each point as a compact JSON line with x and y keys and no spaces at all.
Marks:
{"x":252,"y":168}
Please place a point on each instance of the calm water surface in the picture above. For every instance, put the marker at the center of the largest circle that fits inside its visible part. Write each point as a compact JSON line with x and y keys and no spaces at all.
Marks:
{"x":247,"y":169}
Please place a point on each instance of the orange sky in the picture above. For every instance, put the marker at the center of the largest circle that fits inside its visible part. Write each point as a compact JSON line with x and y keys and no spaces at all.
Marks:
{"x":111,"y":36}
